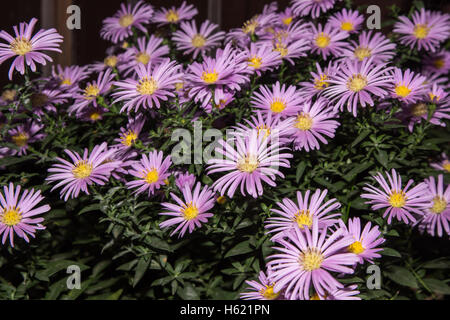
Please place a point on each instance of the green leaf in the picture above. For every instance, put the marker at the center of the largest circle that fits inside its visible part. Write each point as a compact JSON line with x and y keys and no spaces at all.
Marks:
{"x":89,"y":208}
{"x":299,"y":172}
{"x":441,"y":263}
{"x":140,"y":270}
{"x":436,"y":285}
{"x":55,"y":266}
{"x":241,"y":248}
{"x":382,"y":158}
{"x":391,"y":252}
{"x":402,"y":276}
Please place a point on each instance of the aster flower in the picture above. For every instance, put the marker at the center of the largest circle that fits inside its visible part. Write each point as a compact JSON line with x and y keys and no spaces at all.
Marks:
{"x":346,"y":293}
{"x":443,"y":164}
{"x":110,"y":62}
{"x":400,"y":203}
{"x":365,"y":242}
{"x":190,"y":212}
{"x":20,"y":216}
{"x":252,"y":161}
{"x":260,"y":57}
{"x":69,"y":77}
{"x":279,"y":100}
{"x":308,"y":256}
{"x":436,"y":216}
{"x":408,"y":86}
{"x":120,"y":26}
{"x":290,"y":50}
{"x":303,"y":213}
{"x":47,"y":99}
{"x":8,"y":96}
{"x":184,"y":179}
{"x":355,"y":83}
{"x":327,"y":40}
{"x":190,"y":40}
{"x":27,"y":49}
{"x":261,"y":290}
{"x":426,"y":30}
{"x":312,"y":124}
{"x":91,"y":114}
{"x":286,"y":17}
{"x":319,"y":81}
{"x":437,"y":63}
{"x":175,"y":15}
{"x":347,"y":20}
{"x":129,"y":135}
{"x":151,"y":172}
{"x":23,"y":135}
{"x":253,"y":27}
{"x":311,"y":8}
{"x":154,"y":83}
{"x":83,"y":171}
{"x":374,"y":45}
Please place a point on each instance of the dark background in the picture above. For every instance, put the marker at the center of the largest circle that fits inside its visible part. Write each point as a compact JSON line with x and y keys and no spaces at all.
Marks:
{"x":85,"y":46}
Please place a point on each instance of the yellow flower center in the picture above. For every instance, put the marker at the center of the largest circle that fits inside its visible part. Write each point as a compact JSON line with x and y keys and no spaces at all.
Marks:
{"x":66,"y":82}
{"x":190,"y":212}
{"x":278,"y":105}
{"x":21,"y":46}
{"x":439,"y":205}
{"x":94,"y":116}
{"x":287,"y":21}
{"x":419,"y":109}
{"x":357,"y":82}
{"x":126,"y":20}
{"x":151,"y":176}
{"x":248,"y":164}
{"x":446,"y":166}
{"x":20,"y":139}
{"x":221,"y":200}
{"x":311,"y":259}
{"x":402,"y":91}
{"x":356,"y":247}
{"x":263,"y":130}
{"x":315,"y":296}
{"x":397,"y":199}
{"x":347,"y":26}
{"x":321,"y":83}
{"x":82,"y":169}
{"x":281,"y":48}
{"x":210,"y":77}
{"x":129,"y":138}
{"x":322,"y":40}
{"x":268,"y":293}
{"x":143,"y":58}
{"x":303,"y":219}
{"x":198,"y":41}
{"x":362,"y":52}
{"x":125,"y":45}
{"x":250,"y":26}
{"x":91,"y":91}
{"x":9,"y":95}
{"x":11,"y":216}
{"x":172,"y":16}
{"x":439,"y":63}
{"x":255,"y":62}
{"x":304,"y":122}
{"x":179,"y":86}
{"x":146,"y":86}
{"x":110,"y":61}
{"x":421,"y":31}
{"x":38,"y":100}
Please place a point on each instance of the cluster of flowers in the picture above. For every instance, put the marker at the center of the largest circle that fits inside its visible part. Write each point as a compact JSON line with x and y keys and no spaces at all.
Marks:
{"x":311,"y":239}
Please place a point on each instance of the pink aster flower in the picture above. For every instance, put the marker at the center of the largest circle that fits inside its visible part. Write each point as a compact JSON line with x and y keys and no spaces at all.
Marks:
{"x":327,"y":40}
{"x":374,"y":45}
{"x":303,"y":213}
{"x":249,"y":163}
{"x":437,"y":63}
{"x":27,"y":48}
{"x":311,"y":8}
{"x":355,"y":83}
{"x":436,"y":216}
{"x":400,"y":202}
{"x":408,"y":87}
{"x":307,"y":257}
{"x":129,"y":135}
{"x":260,"y":57}
{"x":190,"y":40}
{"x":184,"y":179}
{"x":175,"y":15}
{"x":312,"y":124}
{"x":443,"y":164}
{"x":190,"y":212}
{"x":279,"y":100}
{"x":261,"y":290}
{"x":19,"y":216}
{"x":83,"y":171}
{"x":365,"y":242}
{"x":151,"y":171}
{"x":154,"y":83}
{"x":290,"y":50}
{"x":23,"y":135}
{"x":120,"y":26}
{"x":426,"y":30}
{"x":319,"y":81}
{"x":347,"y":20}
{"x":69,"y":77}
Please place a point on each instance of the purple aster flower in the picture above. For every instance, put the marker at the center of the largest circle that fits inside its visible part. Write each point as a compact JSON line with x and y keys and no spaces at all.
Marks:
{"x":251,"y":161}
{"x":184,"y":179}
{"x":253,"y":27}
{"x":328,"y":40}
{"x":91,"y":114}
{"x":47,"y":99}
{"x":120,"y":26}
{"x":190,"y":212}
{"x":426,"y":30}
{"x":279,"y":100}
{"x":129,"y":135}
{"x":443,"y":164}
{"x":175,"y":15}
{"x":303,"y":213}
{"x":399,"y":202}
{"x":154,"y":83}
{"x":222,"y":98}
{"x":290,"y":50}
{"x":347,"y":20}
{"x":437,"y":215}
{"x":27,"y":48}
{"x":311,"y":8}
{"x":408,"y":87}
{"x":365,"y":242}
{"x":110,"y":62}
{"x":190,"y":40}
{"x":377,"y":46}
{"x":312,"y":124}
{"x":151,"y":171}
{"x":346,"y":293}
{"x":19,"y":216}
{"x":8,"y":96}
{"x":261,"y":290}
{"x":307,"y":257}
{"x":319,"y":81}
{"x":23,"y":135}
{"x":76,"y":176}
{"x":70,"y":77}
{"x":355,"y":83}
{"x":437,"y":63}
{"x":260,"y":57}
{"x":286,"y":17}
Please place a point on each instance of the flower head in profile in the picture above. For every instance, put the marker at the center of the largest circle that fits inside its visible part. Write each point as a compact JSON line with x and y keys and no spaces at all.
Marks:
{"x":19,"y":215}
{"x":191,"y":40}
{"x":290,"y":50}
{"x":110,"y":62}
{"x":443,"y":164}
{"x":47,"y":99}
{"x":311,"y":8}
{"x":426,"y":30}
{"x":400,"y":202}
{"x":303,"y":213}
{"x":153,"y":83}
{"x":183,"y":179}
{"x":261,"y":290}
{"x":370,"y":44}
{"x":175,"y":15}
{"x":347,"y":20}
{"x":129,"y":135}
{"x":23,"y":135}
{"x":70,"y":77}
{"x":327,"y":40}
{"x":151,"y":172}
{"x":120,"y":26}
{"x":83,"y":171}
{"x":260,"y":57}
{"x":305,"y":258}
{"x":437,"y":63}
{"x":408,"y":87}
{"x":319,"y":80}
{"x":26,"y":48}
{"x":189,"y":212}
